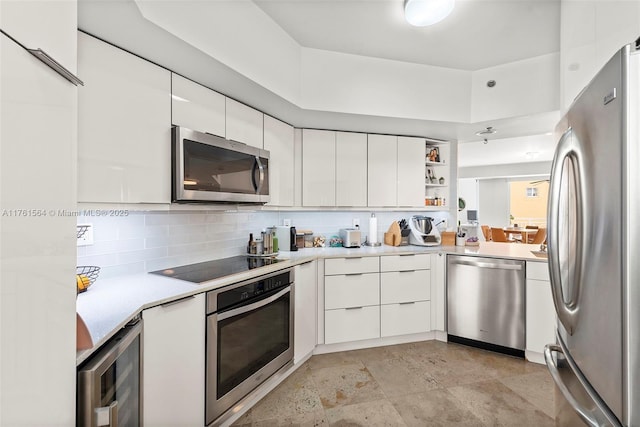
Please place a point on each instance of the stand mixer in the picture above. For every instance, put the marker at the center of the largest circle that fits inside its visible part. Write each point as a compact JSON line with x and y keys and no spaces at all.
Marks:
{"x":423,"y":232}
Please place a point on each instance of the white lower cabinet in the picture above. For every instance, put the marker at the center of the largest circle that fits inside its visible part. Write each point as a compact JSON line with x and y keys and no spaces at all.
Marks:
{"x":438,"y":291}
{"x":405,"y":318}
{"x":351,"y":290}
{"x":405,"y":286}
{"x":541,"y":314}
{"x":351,"y":324}
{"x":305,"y":310}
{"x":174,"y":363}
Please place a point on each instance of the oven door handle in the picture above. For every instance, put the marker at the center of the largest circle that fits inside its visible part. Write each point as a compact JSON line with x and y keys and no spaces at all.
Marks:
{"x":253,"y":306}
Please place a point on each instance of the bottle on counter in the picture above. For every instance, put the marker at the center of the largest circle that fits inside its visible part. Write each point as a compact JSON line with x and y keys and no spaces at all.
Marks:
{"x":250,"y":244}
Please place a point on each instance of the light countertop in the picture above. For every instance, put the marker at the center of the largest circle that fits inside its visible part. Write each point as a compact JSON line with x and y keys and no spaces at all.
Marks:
{"x":109,"y":304}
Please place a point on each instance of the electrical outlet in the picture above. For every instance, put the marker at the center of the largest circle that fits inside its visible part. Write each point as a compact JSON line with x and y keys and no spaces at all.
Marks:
{"x":85,"y":234}
{"x":355,"y":222}
{"x":286,"y":222}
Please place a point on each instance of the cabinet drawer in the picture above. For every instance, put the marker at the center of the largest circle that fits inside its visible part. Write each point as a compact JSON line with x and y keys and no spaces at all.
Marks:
{"x":352,"y":265}
{"x":405,"y":286}
{"x":405,"y":262}
{"x":408,"y":318}
{"x":351,"y":324}
{"x":537,"y":271}
{"x":351,"y":290}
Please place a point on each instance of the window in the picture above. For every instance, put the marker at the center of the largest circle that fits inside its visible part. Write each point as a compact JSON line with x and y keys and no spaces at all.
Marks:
{"x":532,"y":192}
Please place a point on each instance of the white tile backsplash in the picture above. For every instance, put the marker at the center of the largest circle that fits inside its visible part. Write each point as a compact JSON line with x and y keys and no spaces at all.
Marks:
{"x":149,"y":241}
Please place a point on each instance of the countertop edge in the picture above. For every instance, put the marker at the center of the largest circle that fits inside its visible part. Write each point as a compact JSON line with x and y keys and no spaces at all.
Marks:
{"x":101,"y":332}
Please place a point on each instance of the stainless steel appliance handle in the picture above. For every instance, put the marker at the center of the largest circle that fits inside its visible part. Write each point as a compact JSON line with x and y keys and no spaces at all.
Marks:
{"x":253,"y":306}
{"x":107,"y":415}
{"x":261,"y":181}
{"x":586,"y":416}
{"x":567,"y":149}
{"x":489,"y":265}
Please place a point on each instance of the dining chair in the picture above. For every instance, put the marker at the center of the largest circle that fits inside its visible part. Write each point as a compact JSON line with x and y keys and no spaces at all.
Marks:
{"x":486,"y":232}
{"x":498,"y":235}
{"x":539,"y":237}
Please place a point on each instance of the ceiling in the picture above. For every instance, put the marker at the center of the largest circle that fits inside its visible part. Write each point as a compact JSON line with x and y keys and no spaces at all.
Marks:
{"x":478,"y":34}
{"x":538,"y":148}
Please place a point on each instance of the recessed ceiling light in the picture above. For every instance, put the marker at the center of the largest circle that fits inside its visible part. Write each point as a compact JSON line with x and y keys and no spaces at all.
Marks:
{"x":488,"y":131}
{"x":421,"y":13}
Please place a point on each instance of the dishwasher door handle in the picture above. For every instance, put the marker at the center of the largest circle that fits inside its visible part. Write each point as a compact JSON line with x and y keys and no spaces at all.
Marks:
{"x":489,"y":265}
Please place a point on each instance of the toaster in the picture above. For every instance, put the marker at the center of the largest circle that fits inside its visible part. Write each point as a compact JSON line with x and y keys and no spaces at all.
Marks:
{"x":350,"y":237}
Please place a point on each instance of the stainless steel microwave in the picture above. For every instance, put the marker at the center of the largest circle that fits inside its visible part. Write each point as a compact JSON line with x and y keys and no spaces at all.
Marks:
{"x":208,"y":168}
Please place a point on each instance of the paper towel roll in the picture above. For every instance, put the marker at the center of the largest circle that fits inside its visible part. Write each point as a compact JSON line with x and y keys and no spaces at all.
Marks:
{"x":373,"y":229}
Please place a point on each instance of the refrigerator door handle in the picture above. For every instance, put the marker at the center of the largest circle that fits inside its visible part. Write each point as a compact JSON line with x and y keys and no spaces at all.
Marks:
{"x":568,"y":149}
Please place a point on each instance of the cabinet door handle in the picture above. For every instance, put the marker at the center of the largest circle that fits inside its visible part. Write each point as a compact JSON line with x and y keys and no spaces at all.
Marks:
{"x":407,"y":254}
{"x":178,"y":301}
{"x":353,"y":274}
{"x":407,"y":303}
{"x":353,"y":308}
{"x":406,"y":271}
{"x":353,"y":257}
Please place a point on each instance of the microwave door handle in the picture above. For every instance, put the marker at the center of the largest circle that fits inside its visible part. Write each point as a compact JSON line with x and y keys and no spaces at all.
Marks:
{"x":568,"y":149}
{"x":257,"y":164}
{"x":107,"y":416}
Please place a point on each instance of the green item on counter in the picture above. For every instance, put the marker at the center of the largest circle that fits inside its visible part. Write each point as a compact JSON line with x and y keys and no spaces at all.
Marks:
{"x":275,"y":244}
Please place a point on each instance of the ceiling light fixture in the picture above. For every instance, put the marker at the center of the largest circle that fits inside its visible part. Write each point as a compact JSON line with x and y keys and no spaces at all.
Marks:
{"x":488,"y":131}
{"x":421,"y":13}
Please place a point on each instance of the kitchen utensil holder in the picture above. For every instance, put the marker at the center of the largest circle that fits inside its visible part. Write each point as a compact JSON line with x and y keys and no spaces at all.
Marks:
{"x":89,"y":271}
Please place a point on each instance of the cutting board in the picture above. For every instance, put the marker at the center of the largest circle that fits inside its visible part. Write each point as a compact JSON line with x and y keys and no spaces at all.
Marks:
{"x":393,"y":237}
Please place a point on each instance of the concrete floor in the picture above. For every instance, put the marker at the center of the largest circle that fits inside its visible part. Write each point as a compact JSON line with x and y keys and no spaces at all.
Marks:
{"x":428,"y":383}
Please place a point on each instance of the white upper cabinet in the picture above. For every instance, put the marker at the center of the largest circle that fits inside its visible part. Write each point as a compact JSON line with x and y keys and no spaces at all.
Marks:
{"x":43,"y":24}
{"x":351,"y":169}
{"x":244,"y":124}
{"x":278,"y":140}
{"x":196,"y":107}
{"x":318,"y":167}
{"x":124,"y":126}
{"x":411,"y":154}
{"x":382,"y":170}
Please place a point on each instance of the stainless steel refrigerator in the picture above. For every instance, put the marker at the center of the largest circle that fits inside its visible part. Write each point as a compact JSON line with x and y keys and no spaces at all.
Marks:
{"x":594,"y":259}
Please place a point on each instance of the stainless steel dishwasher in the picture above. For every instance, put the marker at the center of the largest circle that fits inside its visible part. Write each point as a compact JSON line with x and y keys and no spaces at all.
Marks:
{"x":486,"y":303}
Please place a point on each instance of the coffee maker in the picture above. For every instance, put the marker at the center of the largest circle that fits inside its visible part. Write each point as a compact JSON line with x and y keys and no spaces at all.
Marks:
{"x":423,"y":232}
{"x":286,"y":238}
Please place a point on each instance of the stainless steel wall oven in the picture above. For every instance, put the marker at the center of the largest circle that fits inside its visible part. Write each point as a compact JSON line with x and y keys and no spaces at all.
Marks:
{"x":249,"y":337}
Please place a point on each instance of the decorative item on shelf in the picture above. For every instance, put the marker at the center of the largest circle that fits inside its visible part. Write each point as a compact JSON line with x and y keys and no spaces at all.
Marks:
{"x":461,"y":204}
{"x":86,"y":275}
{"x":434,"y":155}
{"x":441,"y":180}
{"x":431,"y":176}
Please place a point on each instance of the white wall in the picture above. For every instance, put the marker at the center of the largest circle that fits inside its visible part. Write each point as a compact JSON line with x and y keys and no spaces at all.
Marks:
{"x":468,"y":190}
{"x":524,"y":87}
{"x":339,"y":82}
{"x":533,"y":169}
{"x":493,"y":202}
{"x":591,"y":32}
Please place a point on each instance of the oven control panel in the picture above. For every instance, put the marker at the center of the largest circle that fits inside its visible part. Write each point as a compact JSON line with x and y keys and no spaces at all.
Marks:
{"x":251,"y":290}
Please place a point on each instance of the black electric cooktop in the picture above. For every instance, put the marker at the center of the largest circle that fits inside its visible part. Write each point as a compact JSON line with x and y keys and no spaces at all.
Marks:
{"x":210,"y":270}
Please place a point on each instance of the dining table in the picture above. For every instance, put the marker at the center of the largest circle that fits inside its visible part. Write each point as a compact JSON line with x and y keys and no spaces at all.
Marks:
{"x":524,"y":233}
